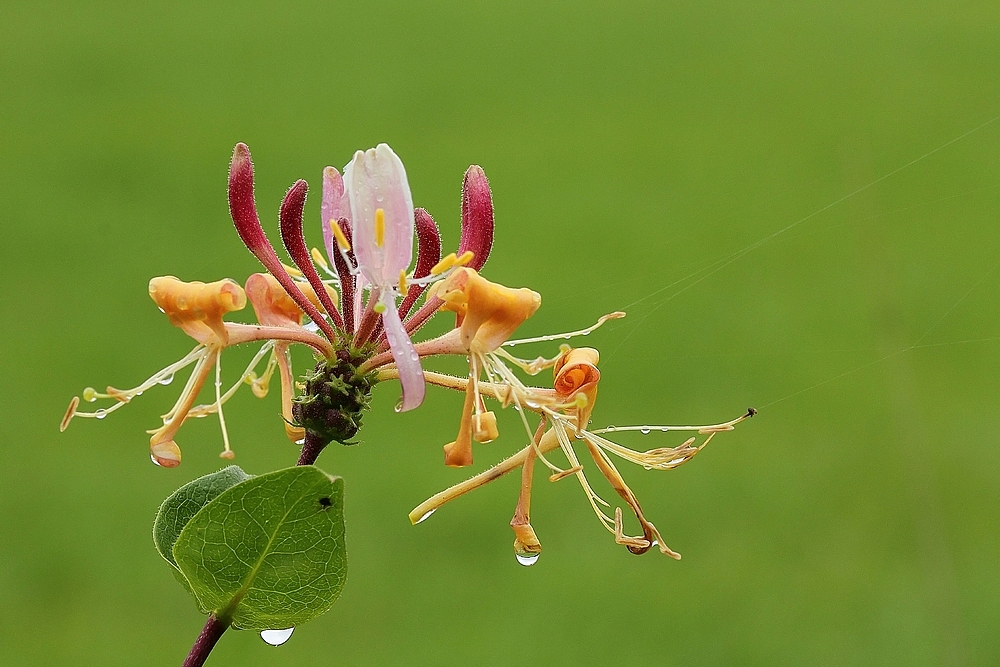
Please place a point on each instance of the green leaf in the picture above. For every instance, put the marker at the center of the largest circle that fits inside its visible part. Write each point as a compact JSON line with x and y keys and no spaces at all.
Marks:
{"x":268,"y":552}
{"x":185,"y":502}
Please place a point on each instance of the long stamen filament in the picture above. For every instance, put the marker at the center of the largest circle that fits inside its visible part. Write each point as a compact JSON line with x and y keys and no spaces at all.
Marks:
{"x":200,"y":411}
{"x":566,"y":336}
{"x":227,"y":453}
{"x":712,"y":428}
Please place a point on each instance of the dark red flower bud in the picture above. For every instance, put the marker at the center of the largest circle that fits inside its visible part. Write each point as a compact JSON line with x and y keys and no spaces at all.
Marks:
{"x":290,"y":218}
{"x":477,"y":217}
{"x":428,"y":254}
{"x":244,"y":213}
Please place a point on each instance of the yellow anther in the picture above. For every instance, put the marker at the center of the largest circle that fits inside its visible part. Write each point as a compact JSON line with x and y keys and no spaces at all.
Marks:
{"x":292,"y":271}
{"x":319,"y":259}
{"x":581,"y":400}
{"x":379,"y":227}
{"x":379,"y":308}
{"x":465,"y":258}
{"x":446,"y":263}
{"x":403,"y":287}
{"x":338,"y":234}
{"x":90,"y":394}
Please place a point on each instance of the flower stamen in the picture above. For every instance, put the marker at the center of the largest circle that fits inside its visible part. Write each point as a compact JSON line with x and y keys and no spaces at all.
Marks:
{"x":566,"y":336}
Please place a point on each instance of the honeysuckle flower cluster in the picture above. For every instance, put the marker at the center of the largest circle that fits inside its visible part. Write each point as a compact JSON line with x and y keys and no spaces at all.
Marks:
{"x":358,"y":304}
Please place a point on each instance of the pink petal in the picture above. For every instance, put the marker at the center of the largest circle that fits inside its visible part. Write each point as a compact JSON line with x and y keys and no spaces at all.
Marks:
{"x":411,"y":376}
{"x":332,"y":208}
{"x":376,"y":179}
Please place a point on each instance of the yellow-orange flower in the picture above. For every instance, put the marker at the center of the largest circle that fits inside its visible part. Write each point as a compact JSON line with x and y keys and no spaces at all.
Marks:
{"x":487,"y":313}
{"x":196,"y":307}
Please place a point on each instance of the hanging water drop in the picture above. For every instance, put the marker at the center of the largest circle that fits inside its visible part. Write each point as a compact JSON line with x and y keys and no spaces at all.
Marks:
{"x":300,"y":442}
{"x":166,"y":379}
{"x":100,"y":414}
{"x":276,"y":637}
{"x":610,"y":427}
{"x":527,"y":558}
{"x":644,"y":431}
{"x":426,"y":516}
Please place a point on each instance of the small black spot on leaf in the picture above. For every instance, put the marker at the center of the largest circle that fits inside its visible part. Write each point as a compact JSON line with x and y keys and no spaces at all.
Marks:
{"x":325,"y":502}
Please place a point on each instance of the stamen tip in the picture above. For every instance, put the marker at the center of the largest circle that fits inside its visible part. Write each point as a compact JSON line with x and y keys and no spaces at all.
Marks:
{"x":227,"y":454}
{"x":751,"y":412}
{"x":70,"y":413}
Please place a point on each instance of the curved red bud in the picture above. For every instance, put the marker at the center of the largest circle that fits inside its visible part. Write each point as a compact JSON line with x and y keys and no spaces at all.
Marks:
{"x":428,"y":254}
{"x":244,"y":213}
{"x":290,"y":223}
{"x":477,"y":217}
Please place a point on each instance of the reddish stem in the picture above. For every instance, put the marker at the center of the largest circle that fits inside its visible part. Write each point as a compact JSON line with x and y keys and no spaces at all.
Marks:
{"x":206,"y":641}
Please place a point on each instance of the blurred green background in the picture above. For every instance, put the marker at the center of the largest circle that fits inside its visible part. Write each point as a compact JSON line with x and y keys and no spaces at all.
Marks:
{"x":629,"y":145}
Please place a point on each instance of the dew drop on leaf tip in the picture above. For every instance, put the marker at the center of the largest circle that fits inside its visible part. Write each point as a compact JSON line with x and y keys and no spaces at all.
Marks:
{"x":426,"y":516}
{"x":276,"y":637}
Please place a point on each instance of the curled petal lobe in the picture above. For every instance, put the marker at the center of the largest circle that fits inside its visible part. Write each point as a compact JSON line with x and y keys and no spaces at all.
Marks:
{"x":486,"y":313}
{"x":375,"y":180}
{"x":165,"y":454}
{"x":196,"y":307}
{"x":576,"y":377}
{"x":411,"y":375}
{"x":271,"y":302}
{"x":477,"y":217}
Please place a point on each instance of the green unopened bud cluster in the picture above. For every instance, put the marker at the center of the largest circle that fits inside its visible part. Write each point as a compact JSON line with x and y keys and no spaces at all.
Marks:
{"x":336,"y":395}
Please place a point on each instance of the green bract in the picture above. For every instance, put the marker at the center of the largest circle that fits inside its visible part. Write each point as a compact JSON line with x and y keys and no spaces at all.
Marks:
{"x":261,"y":552}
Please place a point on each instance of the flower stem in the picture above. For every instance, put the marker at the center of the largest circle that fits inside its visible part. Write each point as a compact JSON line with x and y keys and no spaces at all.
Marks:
{"x":206,"y":641}
{"x":311,"y":449}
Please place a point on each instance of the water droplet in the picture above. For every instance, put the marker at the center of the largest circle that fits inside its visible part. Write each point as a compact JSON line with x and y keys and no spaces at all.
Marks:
{"x":300,"y":442}
{"x":153,"y":459}
{"x":526,"y":559}
{"x":644,"y":431}
{"x":414,"y":356}
{"x":665,"y":429}
{"x":100,"y":414}
{"x":167,"y":379}
{"x":426,"y":516}
{"x":586,"y":333}
{"x":610,"y":427}
{"x":276,"y":637}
